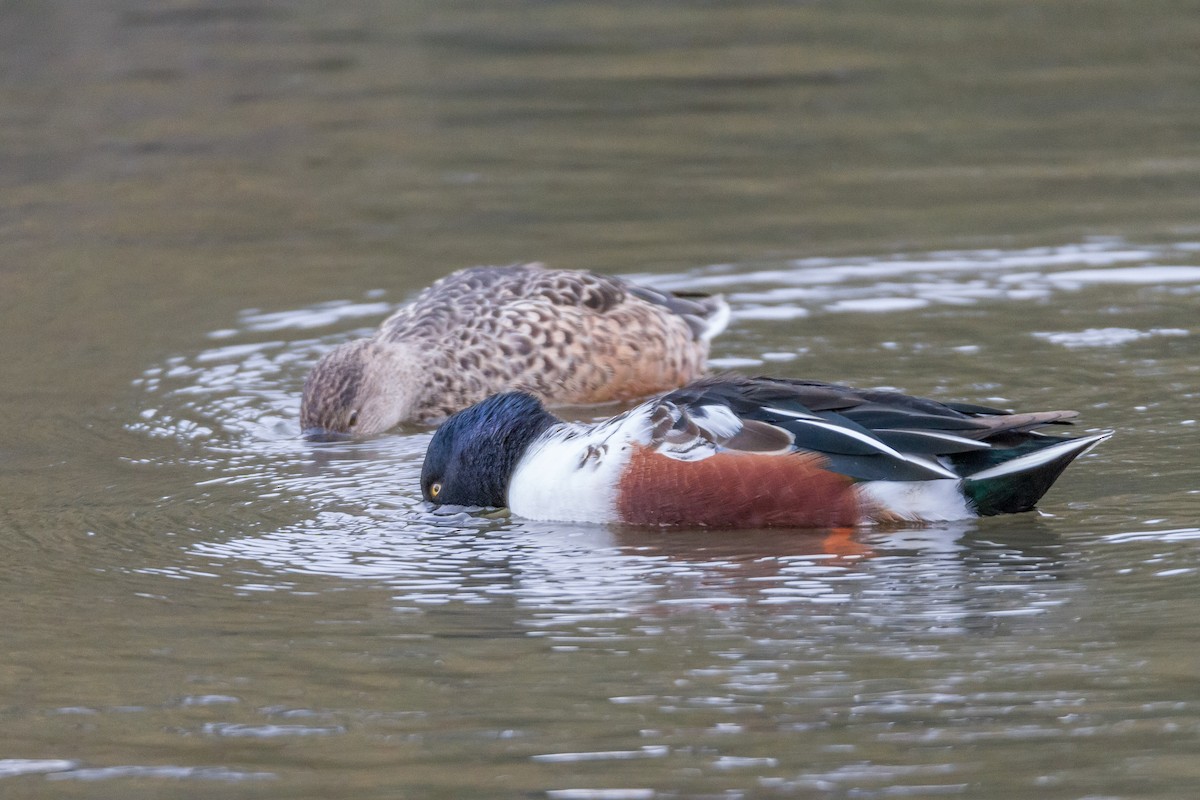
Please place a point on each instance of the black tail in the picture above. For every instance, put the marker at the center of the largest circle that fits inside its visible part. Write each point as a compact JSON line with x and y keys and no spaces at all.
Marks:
{"x":1025,"y":474}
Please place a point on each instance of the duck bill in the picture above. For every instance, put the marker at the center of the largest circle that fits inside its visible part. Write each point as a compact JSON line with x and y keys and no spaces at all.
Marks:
{"x":322,"y":435}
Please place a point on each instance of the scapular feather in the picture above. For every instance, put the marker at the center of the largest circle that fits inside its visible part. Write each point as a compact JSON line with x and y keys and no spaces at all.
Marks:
{"x":929,"y":442}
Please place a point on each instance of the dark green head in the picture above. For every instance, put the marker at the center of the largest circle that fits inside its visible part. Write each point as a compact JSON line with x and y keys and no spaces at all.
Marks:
{"x":471,"y":458}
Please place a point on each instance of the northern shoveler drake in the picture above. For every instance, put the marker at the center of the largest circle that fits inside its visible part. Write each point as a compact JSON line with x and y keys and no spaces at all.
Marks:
{"x":565,"y":336}
{"x":736,"y":452}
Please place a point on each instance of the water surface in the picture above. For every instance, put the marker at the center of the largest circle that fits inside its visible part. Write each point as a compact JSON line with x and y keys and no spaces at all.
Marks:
{"x":992,"y":202}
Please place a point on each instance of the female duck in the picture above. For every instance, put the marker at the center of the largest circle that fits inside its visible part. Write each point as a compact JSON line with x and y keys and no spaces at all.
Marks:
{"x":736,"y":452}
{"x":565,"y":336}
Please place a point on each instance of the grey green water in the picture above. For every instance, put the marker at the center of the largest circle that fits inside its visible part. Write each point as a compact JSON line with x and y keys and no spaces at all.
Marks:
{"x":996,"y":200}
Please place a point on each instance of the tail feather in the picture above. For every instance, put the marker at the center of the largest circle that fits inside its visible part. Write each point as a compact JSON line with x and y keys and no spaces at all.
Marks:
{"x":1027,"y":472}
{"x":716,"y":317}
{"x":706,"y":314}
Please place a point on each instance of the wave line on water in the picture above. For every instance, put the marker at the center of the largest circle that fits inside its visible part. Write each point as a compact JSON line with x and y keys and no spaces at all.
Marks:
{"x":353,"y":510}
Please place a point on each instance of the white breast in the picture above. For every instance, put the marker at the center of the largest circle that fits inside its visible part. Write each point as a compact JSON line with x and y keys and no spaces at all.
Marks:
{"x":572,"y":473}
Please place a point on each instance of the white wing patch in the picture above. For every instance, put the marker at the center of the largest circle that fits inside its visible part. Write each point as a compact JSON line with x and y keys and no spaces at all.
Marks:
{"x":720,"y":421}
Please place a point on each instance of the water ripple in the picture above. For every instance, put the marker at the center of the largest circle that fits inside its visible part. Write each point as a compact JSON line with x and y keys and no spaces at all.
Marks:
{"x":240,"y":731}
{"x":351,"y":511}
{"x":12,"y":767}
{"x":904,"y":282}
{"x":171,"y":772}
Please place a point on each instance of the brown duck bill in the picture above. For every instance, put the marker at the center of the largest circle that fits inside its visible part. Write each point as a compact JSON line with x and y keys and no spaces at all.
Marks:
{"x":323,"y":435}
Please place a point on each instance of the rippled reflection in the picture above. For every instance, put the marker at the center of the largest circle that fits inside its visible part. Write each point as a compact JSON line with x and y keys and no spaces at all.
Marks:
{"x":232,"y":410}
{"x":611,"y":662}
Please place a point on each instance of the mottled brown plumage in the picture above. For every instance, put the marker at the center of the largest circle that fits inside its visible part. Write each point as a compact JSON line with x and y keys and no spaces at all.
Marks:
{"x":566,"y":336}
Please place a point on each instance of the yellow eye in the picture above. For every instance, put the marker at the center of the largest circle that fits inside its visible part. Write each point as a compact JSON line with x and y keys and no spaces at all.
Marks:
{"x":353,"y":419}
{"x":435,"y":490}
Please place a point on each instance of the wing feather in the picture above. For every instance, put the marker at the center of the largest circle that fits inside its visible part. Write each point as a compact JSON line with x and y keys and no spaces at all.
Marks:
{"x":864,"y":434}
